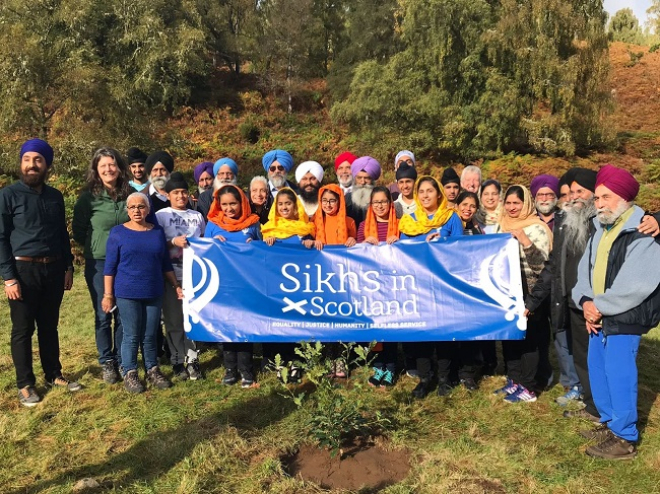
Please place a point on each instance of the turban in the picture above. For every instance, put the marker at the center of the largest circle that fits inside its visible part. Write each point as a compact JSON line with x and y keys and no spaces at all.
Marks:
{"x":38,"y":146}
{"x":366,"y":164}
{"x":405,"y":152}
{"x":309,"y":166}
{"x":206,"y":166}
{"x":136,"y":155}
{"x":345,"y":156}
{"x":279,"y":155}
{"x":583,"y":176}
{"x":619,"y":181}
{"x":225,"y":161}
{"x":450,"y":176}
{"x":159,"y":157}
{"x":406,"y":171}
{"x":541,"y":181}
{"x":176,"y":181}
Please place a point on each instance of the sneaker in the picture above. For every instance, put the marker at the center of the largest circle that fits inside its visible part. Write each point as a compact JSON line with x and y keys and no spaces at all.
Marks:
{"x":194,"y":372}
{"x":295,"y":374}
{"x":509,"y":388}
{"x":28,"y":396}
{"x":231,"y":378}
{"x":581,"y":414}
{"x":470,"y":384}
{"x":61,"y":382}
{"x":247,"y":383}
{"x":599,"y":433}
{"x":376,"y":379}
{"x":132,"y":382}
{"x":157,"y":379}
{"x":180,"y":372}
{"x":522,"y":394}
{"x":388,"y":379}
{"x":444,"y":388}
{"x":422,"y":389}
{"x":110,"y":374}
{"x":572,"y":394}
{"x":613,"y":448}
{"x":412,"y":373}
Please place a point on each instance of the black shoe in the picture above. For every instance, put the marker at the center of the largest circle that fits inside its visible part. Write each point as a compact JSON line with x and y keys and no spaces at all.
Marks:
{"x":194,"y":372}
{"x":470,"y":384}
{"x":422,"y":389}
{"x":444,"y":388}
{"x":132,"y":382}
{"x":581,"y":414}
{"x":157,"y":379}
{"x":231,"y":378}
{"x":110,"y":374}
{"x":180,"y":372}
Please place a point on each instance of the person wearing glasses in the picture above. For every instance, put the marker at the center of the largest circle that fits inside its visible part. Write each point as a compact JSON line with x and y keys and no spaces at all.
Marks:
{"x":100,"y":207}
{"x":277,"y":163}
{"x":137,"y":264}
{"x":545,"y":191}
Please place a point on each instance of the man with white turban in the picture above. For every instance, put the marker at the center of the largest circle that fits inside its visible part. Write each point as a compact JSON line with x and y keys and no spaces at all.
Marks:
{"x":309,"y":176}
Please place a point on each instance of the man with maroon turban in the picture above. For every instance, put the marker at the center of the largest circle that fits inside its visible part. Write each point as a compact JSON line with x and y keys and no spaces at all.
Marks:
{"x":618,"y":289}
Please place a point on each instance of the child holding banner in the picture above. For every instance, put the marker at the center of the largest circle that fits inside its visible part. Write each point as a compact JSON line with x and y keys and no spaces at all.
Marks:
{"x":231,"y":220}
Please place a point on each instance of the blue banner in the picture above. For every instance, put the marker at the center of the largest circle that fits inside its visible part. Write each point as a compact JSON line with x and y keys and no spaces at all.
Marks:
{"x":464,"y":288}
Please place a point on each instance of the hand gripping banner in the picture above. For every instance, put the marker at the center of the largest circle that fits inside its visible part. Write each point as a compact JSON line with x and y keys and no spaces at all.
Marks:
{"x":456,"y":289}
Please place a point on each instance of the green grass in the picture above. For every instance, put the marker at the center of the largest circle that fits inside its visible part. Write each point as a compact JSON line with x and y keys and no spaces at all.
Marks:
{"x":202,"y":437}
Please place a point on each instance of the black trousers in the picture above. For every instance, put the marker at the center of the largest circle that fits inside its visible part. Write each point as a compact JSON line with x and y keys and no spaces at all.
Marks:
{"x":238,"y":357}
{"x":580,"y":341}
{"x":466,"y":354}
{"x":42,"y":288}
{"x":543,"y":338}
{"x":522,"y":356}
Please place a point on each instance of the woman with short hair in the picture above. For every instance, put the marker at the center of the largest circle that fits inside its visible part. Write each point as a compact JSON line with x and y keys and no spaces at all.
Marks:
{"x":260,"y":198}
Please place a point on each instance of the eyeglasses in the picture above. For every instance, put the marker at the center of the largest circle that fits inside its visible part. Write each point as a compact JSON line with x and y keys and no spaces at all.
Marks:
{"x":546,"y":195}
{"x":329,"y":202}
{"x":140,"y":207}
{"x":380,"y":203}
{"x":276,"y":168}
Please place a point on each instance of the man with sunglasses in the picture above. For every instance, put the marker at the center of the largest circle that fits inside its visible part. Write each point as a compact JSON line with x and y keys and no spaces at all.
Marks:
{"x":277,"y":163}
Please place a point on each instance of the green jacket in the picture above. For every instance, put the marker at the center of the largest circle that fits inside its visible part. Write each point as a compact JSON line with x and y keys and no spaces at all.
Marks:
{"x":93,"y":218}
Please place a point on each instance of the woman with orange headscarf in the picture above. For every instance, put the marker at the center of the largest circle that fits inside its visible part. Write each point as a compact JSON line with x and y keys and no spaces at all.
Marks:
{"x":519,"y":218}
{"x":231,"y":220}
{"x":333,"y":226}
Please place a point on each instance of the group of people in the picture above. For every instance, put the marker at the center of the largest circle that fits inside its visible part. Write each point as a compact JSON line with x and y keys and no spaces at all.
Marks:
{"x":586,"y":251}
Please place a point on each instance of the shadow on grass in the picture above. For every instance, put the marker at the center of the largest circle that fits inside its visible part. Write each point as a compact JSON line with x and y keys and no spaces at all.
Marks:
{"x":154,"y":456}
{"x":649,"y":384}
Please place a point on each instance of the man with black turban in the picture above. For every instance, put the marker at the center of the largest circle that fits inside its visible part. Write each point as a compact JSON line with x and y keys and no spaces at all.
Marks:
{"x":158,"y":167}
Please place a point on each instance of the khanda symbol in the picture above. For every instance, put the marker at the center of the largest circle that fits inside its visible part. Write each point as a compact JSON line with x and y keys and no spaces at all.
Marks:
{"x":197,"y":296}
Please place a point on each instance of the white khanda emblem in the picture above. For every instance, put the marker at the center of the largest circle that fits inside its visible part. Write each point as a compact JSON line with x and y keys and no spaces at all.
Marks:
{"x":198,"y":296}
{"x":507,"y":294}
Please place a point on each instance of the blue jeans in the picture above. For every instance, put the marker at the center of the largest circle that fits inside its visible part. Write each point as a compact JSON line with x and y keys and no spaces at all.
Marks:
{"x":567,"y":374}
{"x":140,"y":319}
{"x":613,"y":376}
{"x":109,"y":348}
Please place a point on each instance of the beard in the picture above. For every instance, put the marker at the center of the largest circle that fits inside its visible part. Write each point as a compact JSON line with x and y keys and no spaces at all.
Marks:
{"x":35,"y":180}
{"x":546,"y":207}
{"x":576,"y":224}
{"x":218,"y":183}
{"x":159,"y":182}
{"x":607,"y":216}
{"x":278,"y":181}
{"x":361,"y":195}
{"x":310,"y":196}
{"x":346,"y":182}
{"x":202,"y":189}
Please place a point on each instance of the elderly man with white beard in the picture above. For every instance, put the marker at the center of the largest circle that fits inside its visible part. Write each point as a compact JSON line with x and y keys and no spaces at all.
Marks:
{"x":545,"y":190}
{"x":366,"y":170}
{"x":618,"y":289}
{"x":277,"y":163}
{"x":225,"y":172}
{"x":158,"y":167}
{"x":309,"y":176}
{"x":343,"y":164}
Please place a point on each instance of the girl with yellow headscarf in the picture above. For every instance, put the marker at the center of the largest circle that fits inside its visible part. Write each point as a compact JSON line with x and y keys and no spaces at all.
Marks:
{"x":287,"y":221}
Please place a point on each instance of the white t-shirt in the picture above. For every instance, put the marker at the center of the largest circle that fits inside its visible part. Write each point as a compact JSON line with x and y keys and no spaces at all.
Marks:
{"x":176,"y":223}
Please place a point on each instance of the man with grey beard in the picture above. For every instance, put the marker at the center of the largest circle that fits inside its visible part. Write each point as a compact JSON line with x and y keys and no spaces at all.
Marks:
{"x":158,"y":167}
{"x":225,"y":172}
{"x":366,"y":170}
{"x":545,"y":190}
{"x":618,"y":290}
{"x":571,"y":231}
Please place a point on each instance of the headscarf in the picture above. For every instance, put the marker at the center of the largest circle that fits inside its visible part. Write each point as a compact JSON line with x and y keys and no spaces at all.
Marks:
{"x":309,"y":166}
{"x":484,"y":216}
{"x":527,"y":215}
{"x":345,"y":156}
{"x":279,"y":227}
{"x":405,"y":152}
{"x":421,"y":224}
{"x":228,"y":162}
{"x":218,"y":217}
{"x":162,"y":157}
{"x":619,"y":181}
{"x":279,"y":155}
{"x":371,"y":222}
{"x":38,"y":146}
{"x":366,"y":164}
{"x":340,"y":221}
{"x":541,"y":181}
{"x":206,"y":166}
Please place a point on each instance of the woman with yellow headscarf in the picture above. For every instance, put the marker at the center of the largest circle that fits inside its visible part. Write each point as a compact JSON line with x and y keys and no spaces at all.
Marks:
{"x":519,"y":218}
{"x":431,"y":219}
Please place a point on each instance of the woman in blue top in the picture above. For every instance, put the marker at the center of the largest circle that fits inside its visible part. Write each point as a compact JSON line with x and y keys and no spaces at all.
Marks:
{"x":231,"y":220}
{"x":137,"y":262}
{"x":430,"y":220}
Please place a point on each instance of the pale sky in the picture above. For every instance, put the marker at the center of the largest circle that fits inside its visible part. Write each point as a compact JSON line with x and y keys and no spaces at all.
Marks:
{"x":638,"y":7}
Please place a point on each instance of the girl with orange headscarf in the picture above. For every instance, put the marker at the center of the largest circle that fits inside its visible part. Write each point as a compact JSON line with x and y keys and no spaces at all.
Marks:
{"x":333,"y":226}
{"x":231,"y":220}
{"x":381,"y":223}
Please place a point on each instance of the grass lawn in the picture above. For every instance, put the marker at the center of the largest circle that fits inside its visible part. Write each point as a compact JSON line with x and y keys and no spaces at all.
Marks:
{"x":203,"y":437}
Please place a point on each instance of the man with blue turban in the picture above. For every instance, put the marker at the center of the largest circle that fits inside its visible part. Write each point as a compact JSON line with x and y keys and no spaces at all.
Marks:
{"x":37,"y":266}
{"x":277,"y":163}
{"x":225,"y":172}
